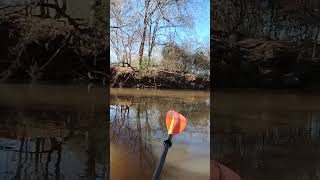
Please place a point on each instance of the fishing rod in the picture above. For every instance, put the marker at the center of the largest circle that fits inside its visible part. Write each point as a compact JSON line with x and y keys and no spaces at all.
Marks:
{"x":176,"y":123}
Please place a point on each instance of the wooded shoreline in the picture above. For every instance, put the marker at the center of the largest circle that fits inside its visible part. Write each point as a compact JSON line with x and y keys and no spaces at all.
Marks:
{"x":129,"y":77}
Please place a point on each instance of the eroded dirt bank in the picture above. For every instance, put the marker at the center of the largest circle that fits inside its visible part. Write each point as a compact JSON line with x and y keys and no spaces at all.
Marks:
{"x":130,"y":77}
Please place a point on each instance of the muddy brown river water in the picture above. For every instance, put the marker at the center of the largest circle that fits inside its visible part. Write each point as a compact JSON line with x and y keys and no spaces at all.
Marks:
{"x":61,"y":132}
{"x":267,"y":135}
{"x":138,"y":131}
{"x":53,"y":132}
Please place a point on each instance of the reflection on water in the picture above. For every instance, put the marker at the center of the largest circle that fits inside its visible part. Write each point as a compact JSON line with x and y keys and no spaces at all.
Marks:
{"x":268,"y":136}
{"x":138,"y":129}
{"x":53,"y":132}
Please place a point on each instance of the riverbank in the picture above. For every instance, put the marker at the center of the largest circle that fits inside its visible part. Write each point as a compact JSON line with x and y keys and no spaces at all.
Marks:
{"x":36,"y":47}
{"x":259,"y":63}
{"x":130,"y":77}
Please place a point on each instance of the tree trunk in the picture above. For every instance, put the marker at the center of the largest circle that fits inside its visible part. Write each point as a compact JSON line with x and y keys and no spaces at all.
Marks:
{"x":42,"y":9}
{"x":64,"y":6}
{"x":149,"y":42}
{"x":130,"y":54}
{"x":271,"y":20}
{"x":47,"y":10}
{"x":27,"y":8}
{"x":57,"y":16}
{"x":143,"y":38}
{"x":153,"y":39}
{"x":92,"y":14}
{"x":315,"y":43}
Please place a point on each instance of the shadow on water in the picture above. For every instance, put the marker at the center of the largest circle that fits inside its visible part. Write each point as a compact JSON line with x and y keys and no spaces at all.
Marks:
{"x":267,"y":135}
{"x":53,"y":132}
{"x":137,"y":127}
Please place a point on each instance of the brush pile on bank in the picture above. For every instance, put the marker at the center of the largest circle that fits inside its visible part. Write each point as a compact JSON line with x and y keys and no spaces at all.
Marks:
{"x":264,"y":63}
{"x":41,"y":48}
{"x":157,"y":78}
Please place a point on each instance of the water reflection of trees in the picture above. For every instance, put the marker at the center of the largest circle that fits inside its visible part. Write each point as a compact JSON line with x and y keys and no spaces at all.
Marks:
{"x":138,"y":121}
{"x":153,"y":109}
{"x":281,"y":147}
{"x":133,"y":133}
{"x":46,"y":140}
{"x":38,"y":157}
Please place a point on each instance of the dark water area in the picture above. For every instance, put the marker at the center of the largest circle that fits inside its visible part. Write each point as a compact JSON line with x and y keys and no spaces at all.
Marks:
{"x":137,"y":132}
{"x":53,"y":132}
{"x":267,"y":135}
